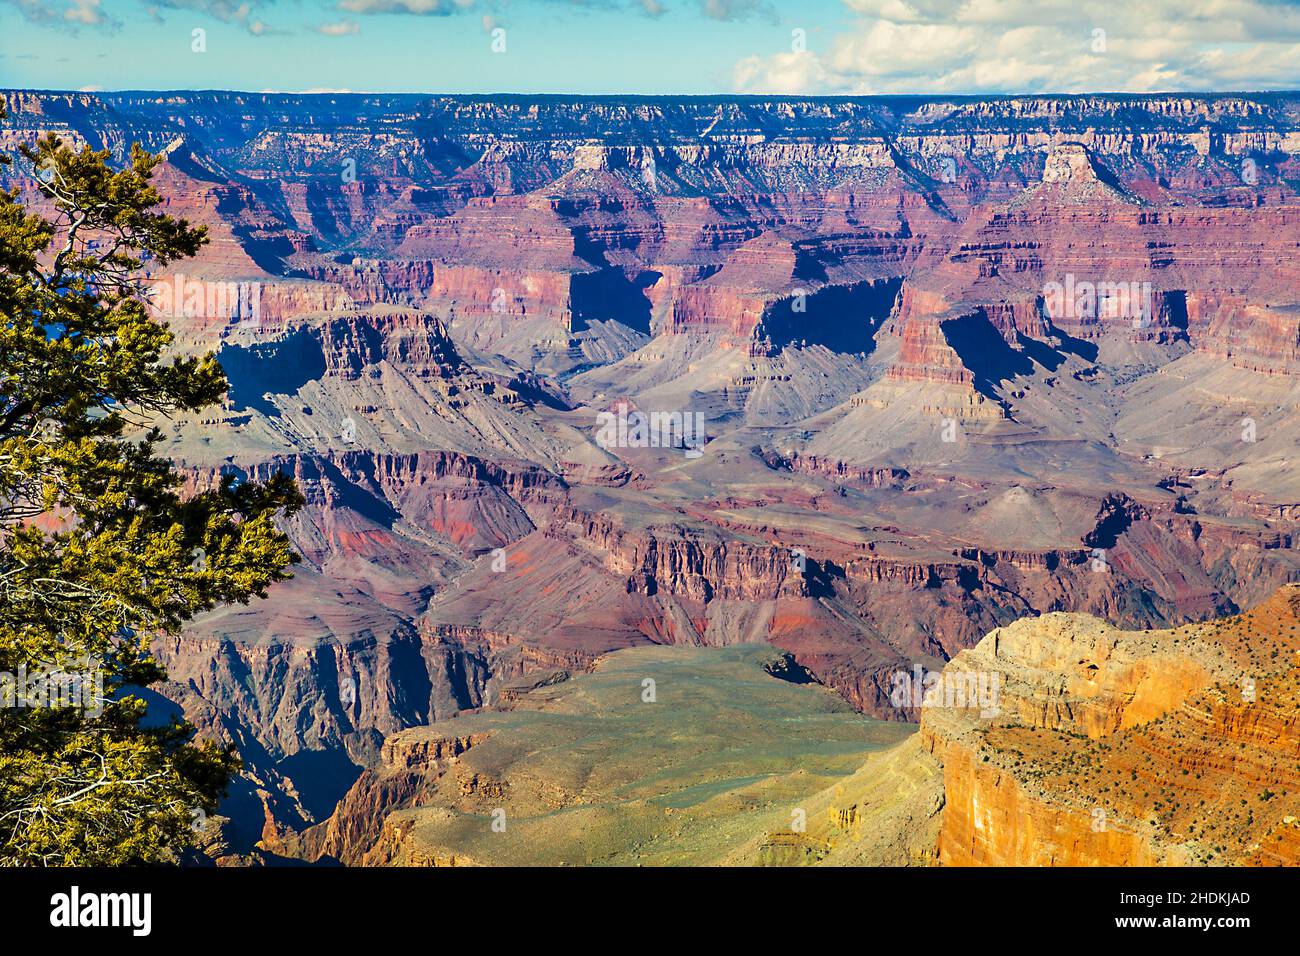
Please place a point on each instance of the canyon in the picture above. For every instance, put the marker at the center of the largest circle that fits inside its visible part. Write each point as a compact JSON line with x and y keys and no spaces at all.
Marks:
{"x":1059,"y":740}
{"x":967,"y":368}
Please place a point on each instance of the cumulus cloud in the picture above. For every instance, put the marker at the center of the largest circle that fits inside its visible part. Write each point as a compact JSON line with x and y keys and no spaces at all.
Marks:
{"x":724,"y":10}
{"x":67,"y":15}
{"x":1029,"y":46}
{"x":343,"y":28}
{"x":260,"y":28}
{"x":788,"y":73}
{"x":226,"y":11}
{"x":72,"y":14}
{"x":426,"y":8}
{"x":84,"y":13}
{"x":243,"y":13}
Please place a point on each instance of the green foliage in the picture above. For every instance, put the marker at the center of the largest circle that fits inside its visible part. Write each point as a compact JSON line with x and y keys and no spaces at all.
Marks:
{"x":101,"y":550}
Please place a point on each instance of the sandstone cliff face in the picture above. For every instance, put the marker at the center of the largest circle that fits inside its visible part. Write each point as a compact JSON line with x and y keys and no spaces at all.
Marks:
{"x":927,"y":356}
{"x":355,"y":832}
{"x":1114,"y":747}
{"x":1251,"y":336}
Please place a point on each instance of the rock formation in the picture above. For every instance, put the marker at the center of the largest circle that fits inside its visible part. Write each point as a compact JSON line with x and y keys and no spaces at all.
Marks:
{"x":956,"y":362}
{"x":1120,"y":748}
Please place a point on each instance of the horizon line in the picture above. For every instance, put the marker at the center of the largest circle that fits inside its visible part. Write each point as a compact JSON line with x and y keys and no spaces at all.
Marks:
{"x":1203,"y":94}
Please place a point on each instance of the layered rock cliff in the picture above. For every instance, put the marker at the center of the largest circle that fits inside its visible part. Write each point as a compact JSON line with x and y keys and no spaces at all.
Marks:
{"x":1120,"y":748}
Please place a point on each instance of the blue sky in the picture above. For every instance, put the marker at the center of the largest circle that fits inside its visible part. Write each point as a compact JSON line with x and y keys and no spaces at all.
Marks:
{"x":653,"y":46}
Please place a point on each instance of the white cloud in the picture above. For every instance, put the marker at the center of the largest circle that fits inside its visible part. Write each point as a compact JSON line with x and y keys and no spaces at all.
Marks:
{"x":788,"y":73}
{"x":84,"y":13}
{"x":1067,"y":46}
{"x":70,"y":15}
{"x":436,"y":8}
{"x":240,"y":12}
{"x":343,"y":28}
